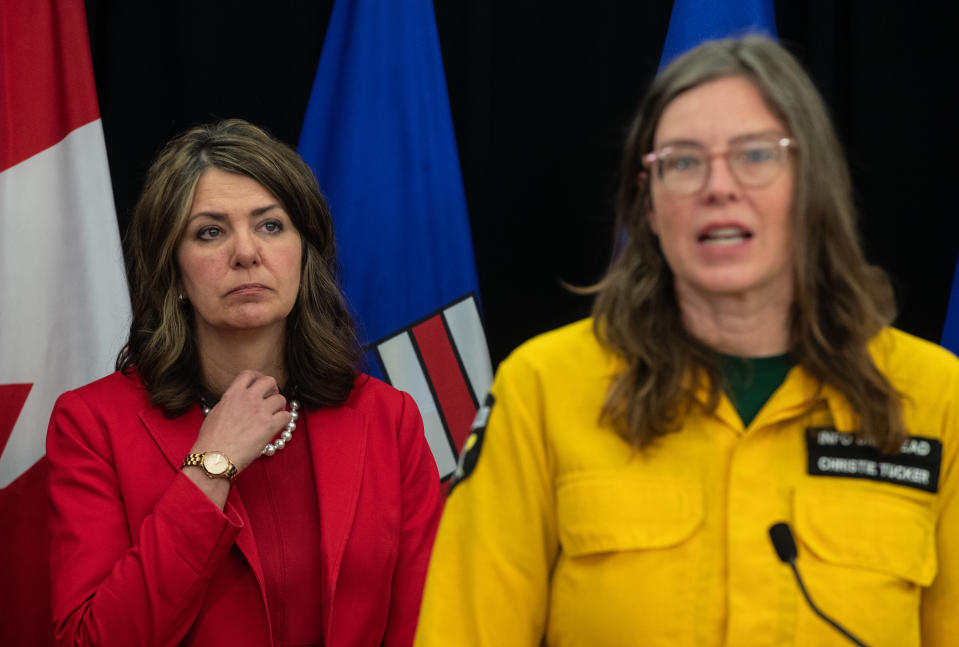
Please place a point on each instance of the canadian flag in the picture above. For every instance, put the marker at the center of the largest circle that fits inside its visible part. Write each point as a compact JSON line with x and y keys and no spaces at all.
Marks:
{"x":64,"y":306}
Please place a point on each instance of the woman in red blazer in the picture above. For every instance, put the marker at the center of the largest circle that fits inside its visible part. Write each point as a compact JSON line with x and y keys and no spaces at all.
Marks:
{"x":236,"y":481}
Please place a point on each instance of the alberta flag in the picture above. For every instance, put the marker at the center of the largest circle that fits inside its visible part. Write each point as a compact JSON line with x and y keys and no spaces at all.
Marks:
{"x":379,"y":136}
{"x":64,"y":309}
{"x":695,"y":21}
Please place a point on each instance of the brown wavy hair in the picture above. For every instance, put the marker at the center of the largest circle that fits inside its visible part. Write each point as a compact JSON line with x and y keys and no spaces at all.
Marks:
{"x":321,"y":352}
{"x":840,"y":301}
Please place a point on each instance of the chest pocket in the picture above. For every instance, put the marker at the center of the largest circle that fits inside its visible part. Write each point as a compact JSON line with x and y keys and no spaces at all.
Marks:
{"x":611,"y":512}
{"x":867,"y":528}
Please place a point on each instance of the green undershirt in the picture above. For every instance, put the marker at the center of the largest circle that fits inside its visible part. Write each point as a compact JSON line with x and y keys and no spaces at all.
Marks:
{"x":750,"y":381}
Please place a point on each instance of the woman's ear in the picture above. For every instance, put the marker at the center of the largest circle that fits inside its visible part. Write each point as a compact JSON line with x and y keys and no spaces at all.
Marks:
{"x":178,"y":290}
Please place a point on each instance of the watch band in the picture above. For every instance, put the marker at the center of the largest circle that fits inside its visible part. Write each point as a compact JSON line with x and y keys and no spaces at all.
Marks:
{"x":196,"y":460}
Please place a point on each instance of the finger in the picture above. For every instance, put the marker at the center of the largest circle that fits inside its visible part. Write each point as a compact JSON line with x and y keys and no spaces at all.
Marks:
{"x":245,"y":379}
{"x":260,"y":380}
{"x":281,"y":419}
{"x":277,"y":402}
{"x":271,"y":392}
{"x":265,"y":385}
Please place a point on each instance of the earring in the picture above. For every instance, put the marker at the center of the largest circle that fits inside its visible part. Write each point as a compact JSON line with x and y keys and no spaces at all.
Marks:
{"x":180,"y":297}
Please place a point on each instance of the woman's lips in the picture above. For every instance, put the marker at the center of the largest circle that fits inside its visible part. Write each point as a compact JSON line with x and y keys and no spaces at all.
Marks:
{"x":724,"y":235}
{"x":247,"y":288}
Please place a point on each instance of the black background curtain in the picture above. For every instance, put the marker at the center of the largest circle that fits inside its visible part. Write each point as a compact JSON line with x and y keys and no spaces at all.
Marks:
{"x":540,"y":95}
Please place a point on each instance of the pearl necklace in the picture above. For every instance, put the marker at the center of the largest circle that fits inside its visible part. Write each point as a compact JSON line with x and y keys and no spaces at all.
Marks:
{"x":281,"y":440}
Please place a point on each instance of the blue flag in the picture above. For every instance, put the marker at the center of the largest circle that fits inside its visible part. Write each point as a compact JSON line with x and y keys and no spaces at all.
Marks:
{"x":695,"y":21}
{"x":378,"y":134}
{"x":950,"y":333}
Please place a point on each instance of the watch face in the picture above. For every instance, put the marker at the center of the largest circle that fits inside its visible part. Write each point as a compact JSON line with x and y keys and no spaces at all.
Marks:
{"x":215,"y":462}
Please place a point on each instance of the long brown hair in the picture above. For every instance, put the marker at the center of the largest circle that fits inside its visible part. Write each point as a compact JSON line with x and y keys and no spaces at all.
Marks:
{"x":321,"y":351}
{"x":840,"y":300}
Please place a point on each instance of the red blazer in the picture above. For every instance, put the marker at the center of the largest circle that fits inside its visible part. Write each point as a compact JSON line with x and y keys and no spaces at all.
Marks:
{"x":139,"y":556}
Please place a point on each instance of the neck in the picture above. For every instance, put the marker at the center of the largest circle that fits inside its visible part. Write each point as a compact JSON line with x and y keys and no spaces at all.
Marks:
{"x":747,"y":325}
{"x":224,"y":354}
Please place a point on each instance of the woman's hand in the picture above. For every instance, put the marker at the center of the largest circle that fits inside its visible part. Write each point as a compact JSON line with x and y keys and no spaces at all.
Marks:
{"x":248,"y":416}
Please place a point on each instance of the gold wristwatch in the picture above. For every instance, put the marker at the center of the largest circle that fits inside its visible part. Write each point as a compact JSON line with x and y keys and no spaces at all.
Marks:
{"x":215,"y":464}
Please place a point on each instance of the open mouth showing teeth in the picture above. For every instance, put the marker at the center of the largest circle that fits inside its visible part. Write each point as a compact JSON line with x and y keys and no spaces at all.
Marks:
{"x":725,"y":236}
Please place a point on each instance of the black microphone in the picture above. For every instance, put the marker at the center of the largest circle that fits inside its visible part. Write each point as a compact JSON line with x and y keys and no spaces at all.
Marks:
{"x":785,"y":545}
{"x":783,"y":542}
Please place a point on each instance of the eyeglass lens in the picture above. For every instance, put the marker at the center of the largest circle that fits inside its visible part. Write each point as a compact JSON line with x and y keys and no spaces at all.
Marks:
{"x":685,"y":168}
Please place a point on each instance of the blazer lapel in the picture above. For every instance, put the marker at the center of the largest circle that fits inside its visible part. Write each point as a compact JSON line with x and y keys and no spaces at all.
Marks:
{"x":338,"y":444}
{"x":174,"y":437}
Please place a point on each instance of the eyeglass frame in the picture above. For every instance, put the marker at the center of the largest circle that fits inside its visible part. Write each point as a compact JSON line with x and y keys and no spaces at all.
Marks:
{"x":649,"y":159}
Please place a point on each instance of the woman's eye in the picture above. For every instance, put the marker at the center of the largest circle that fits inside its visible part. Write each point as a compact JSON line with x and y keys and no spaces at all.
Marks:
{"x":684,"y":163}
{"x":756,"y":155}
{"x":272,"y":226}
{"x":209,"y":233}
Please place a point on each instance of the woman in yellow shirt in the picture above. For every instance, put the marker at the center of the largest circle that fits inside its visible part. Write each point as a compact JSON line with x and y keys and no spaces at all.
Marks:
{"x":738,"y":371}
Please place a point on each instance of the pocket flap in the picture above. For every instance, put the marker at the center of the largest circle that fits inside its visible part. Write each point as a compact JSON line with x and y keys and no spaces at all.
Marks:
{"x":606,"y":512}
{"x":869,"y":529}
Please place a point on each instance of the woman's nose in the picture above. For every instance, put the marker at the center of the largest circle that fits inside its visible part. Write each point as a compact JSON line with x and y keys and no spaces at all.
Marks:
{"x":721,"y":184}
{"x":245,"y":250}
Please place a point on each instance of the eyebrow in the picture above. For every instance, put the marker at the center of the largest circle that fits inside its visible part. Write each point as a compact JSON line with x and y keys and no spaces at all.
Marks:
{"x":218,"y":215}
{"x":735,"y":140}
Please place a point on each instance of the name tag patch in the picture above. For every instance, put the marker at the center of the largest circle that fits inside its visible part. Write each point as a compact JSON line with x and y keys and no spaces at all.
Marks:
{"x":834,"y":453}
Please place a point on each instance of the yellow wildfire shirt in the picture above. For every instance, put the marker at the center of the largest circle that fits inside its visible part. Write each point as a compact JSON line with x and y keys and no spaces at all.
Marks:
{"x":561,"y":534}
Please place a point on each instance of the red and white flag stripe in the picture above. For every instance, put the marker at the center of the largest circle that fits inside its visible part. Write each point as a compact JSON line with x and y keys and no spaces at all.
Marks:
{"x":64,"y":307}
{"x":443,"y":363}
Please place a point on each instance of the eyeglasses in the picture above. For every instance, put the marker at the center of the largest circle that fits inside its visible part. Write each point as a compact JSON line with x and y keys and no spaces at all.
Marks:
{"x":684,"y":168}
